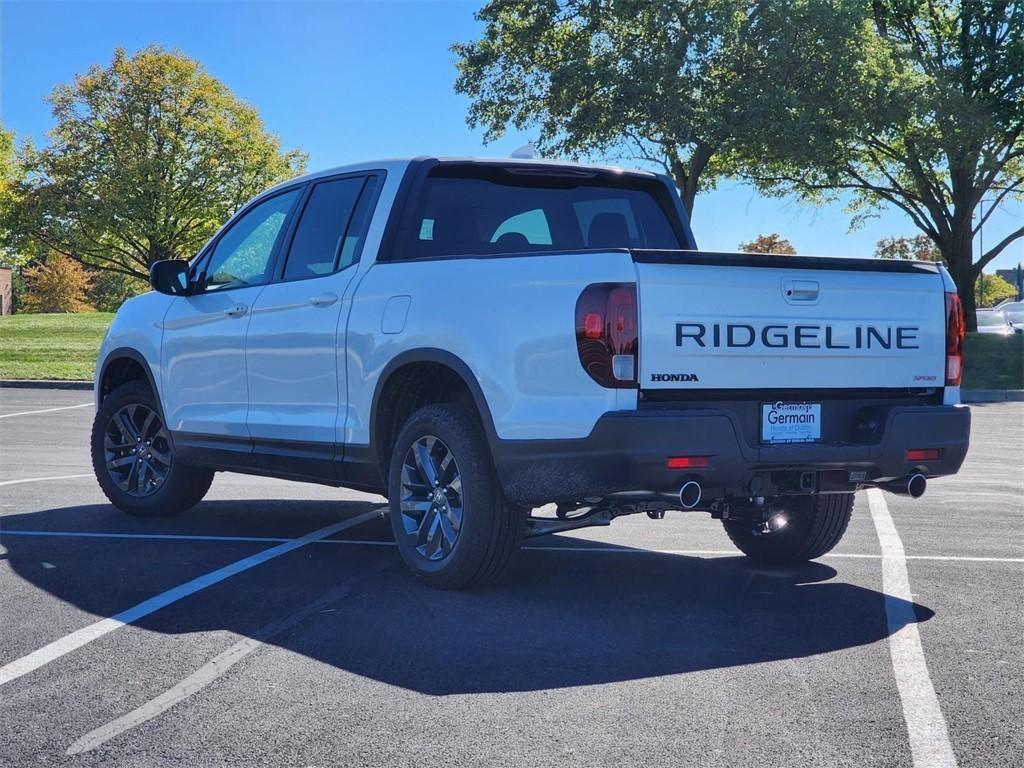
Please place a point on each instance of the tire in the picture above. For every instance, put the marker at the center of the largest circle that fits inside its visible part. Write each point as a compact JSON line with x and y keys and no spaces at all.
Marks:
{"x":468,"y":503}
{"x":815,"y":524}
{"x":154,"y":484}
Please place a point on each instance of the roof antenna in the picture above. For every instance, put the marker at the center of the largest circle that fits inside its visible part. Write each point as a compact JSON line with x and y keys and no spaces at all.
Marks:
{"x":526,"y":152}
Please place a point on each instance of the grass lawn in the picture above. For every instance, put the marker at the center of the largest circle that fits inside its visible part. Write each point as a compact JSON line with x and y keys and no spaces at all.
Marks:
{"x":51,"y":346}
{"x":65,"y":346}
{"x":993,"y":362}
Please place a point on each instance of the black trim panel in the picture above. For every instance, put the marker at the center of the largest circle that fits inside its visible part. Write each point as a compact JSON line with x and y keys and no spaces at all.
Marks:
{"x":627,"y":451}
{"x":310,"y":462}
{"x":554,"y":253}
{"x":417,"y":169}
{"x":773,"y":261}
{"x":654,"y":398}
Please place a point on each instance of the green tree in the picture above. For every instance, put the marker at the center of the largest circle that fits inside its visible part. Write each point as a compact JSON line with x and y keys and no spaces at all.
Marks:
{"x":13,"y":254}
{"x":9,"y":176}
{"x":148,"y":157}
{"x":930,"y":121}
{"x":773,"y":243}
{"x":916,"y":248}
{"x":109,"y":290}
{"x":680,"y":82}
{"x":12,"y":175}
{"x":992,"y":289}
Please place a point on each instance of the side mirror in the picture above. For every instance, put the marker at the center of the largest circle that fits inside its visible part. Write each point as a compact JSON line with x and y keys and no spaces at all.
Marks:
{"x":169,"y":276}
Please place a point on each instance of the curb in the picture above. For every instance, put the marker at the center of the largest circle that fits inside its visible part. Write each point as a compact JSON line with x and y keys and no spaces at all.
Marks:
{"x":992,"y":395}
{"x":45,"y":384}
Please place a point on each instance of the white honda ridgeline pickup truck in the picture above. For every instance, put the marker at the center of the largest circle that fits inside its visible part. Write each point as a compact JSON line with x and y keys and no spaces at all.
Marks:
{"x":477,"y":338}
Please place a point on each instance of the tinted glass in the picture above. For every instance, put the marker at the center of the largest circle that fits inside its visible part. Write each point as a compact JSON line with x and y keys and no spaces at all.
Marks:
{"x":324,"y":239}
{"x":242,"y":254}
{"x":529,"y":228}
{"x":482,"y":216}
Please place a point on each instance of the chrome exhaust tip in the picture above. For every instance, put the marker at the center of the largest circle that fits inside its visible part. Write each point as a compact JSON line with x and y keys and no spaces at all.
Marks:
{"x":917,"y":484}
{"x":913,"y":486}
{"x":689,"y":494}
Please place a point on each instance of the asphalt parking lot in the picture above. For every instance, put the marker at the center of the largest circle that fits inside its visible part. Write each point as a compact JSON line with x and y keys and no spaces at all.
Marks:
{"x":274,"y":625}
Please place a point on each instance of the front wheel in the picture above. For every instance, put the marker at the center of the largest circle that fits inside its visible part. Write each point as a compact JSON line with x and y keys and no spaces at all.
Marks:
{"x":452,"y":524}
{"x":133,"y":458}
{"x":801,"y":528}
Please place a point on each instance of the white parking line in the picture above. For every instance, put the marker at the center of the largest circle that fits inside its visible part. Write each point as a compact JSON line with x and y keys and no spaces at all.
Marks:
{"x":926,"y":727}
{"x":146,"y":536}
{"x":553,"y":548}
{"x":216,"y":667}
{"x":41,"y":479}
{"x":86,"y":635}
{"x":44,"y":410}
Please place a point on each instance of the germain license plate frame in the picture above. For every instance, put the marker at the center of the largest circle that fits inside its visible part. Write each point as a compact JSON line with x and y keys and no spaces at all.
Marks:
{"x":784,"y":423}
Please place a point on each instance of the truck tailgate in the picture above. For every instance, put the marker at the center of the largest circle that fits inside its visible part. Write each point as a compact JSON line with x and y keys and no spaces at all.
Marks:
{"x":756,"y":322}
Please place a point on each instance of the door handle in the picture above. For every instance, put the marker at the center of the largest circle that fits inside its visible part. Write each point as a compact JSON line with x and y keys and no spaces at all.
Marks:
{"x":236,"y":311}
{"x":800,"y":290}
{"x":323,"y":300}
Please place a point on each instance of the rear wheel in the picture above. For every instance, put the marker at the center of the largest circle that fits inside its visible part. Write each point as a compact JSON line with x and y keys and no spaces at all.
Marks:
{"x":453,"y":527}
{"x":133,"y":458}
{"x":800,"y":528}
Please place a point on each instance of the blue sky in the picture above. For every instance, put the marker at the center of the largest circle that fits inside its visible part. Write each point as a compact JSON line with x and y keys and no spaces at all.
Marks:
{"x":357,"y":80}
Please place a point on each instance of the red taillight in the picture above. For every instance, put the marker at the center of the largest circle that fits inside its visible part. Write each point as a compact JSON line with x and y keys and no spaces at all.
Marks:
{"x":954,"y":340}
{"x":593,"y":326}
{"x":689,"y":462}
{"x":922,"y":454}
{"x":606,"y":333}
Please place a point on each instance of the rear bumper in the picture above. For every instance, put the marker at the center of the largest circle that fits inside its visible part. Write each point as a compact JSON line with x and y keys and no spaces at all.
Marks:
{"x":627,"y":452}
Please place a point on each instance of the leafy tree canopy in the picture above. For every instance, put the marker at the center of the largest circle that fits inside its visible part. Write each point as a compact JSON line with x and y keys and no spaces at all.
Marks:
{"x":9,"y":173}
{"x":681,"y":82}
{"x":148,"y":157}
{"x":12,"y":174}
{"x":773,"y":243}
{"x":929,"y":121}
{"x":992,"y":289}
{"x":916,"y":248}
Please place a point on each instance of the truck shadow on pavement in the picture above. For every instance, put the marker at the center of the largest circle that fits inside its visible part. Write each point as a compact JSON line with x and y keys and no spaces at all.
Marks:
{"x":557,"y":619}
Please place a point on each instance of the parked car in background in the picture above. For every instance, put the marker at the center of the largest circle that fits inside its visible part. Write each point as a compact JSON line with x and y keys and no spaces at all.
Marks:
{"x":993,"y":321}
{"x":1013,"y":311}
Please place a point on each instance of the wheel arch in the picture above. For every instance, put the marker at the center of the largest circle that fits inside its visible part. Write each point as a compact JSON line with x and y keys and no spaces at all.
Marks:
{"x":383,"y":428}
{"x":122,"y":365}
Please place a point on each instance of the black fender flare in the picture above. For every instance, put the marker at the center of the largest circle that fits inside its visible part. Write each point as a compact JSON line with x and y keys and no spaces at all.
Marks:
{"x":441,"y":357}
{"x":129,"y":353}
{"x":122,"y":353}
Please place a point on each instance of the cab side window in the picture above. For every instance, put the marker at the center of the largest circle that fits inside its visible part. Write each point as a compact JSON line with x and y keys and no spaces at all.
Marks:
{"x":242,"y":255}
{"x":330,"y":230}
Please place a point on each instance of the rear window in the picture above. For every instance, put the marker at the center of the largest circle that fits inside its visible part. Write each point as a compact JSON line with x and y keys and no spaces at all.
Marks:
{"x":488,"y":211}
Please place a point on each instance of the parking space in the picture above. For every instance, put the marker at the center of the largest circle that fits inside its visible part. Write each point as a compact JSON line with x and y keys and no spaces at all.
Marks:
{"x":285,"y":630}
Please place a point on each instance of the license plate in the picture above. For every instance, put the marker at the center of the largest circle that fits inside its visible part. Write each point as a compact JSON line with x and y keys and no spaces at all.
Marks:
{"x":790,"y":422}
